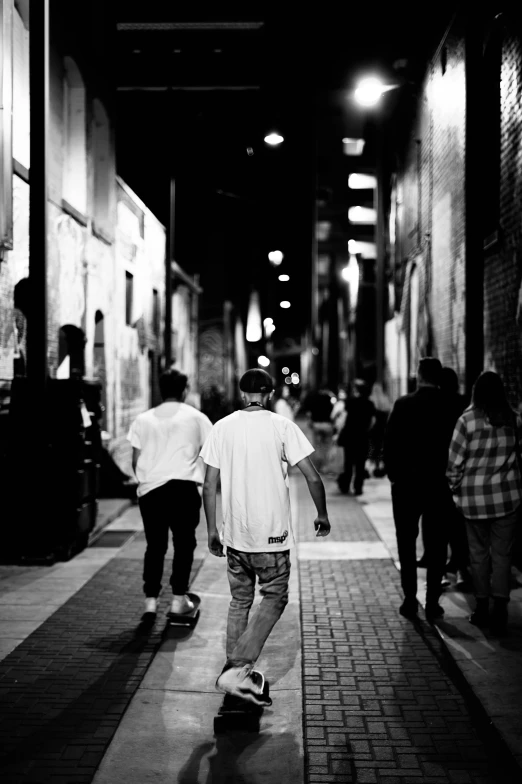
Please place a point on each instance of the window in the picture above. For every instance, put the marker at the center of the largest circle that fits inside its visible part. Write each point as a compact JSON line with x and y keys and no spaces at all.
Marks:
{"x":129,"y":295}
{"x":21,"y":117}
{"x":155,"y":312}
{"x":74,"y":138}
{"x":104,"y":175}
{"x":71,"y":345}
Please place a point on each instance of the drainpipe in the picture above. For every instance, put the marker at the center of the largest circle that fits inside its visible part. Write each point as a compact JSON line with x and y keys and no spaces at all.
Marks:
{"x":168,"y":274}
{"x":37,"y":365}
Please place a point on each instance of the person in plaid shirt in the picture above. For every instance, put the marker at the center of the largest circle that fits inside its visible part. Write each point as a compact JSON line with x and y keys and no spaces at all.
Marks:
{"x":484,"y":476}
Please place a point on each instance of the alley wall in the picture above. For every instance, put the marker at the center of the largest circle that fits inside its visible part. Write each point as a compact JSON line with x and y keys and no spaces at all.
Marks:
{"x":431,"y":258}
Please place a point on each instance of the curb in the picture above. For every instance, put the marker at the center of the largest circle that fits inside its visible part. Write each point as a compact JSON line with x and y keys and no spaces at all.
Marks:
{"x":109,"y":509}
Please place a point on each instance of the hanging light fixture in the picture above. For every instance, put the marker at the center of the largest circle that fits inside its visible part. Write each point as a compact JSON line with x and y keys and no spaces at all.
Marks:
{"x":254,"y":328}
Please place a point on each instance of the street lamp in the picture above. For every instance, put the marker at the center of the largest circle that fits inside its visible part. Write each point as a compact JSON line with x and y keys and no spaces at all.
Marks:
{"x":370,"y":90}
{"x":350,"y":274}
{"x":273,"y":139}
{"x":275,"y":257}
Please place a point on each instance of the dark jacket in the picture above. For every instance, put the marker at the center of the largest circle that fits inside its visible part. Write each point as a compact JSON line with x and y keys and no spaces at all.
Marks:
{"x":417,"y":438}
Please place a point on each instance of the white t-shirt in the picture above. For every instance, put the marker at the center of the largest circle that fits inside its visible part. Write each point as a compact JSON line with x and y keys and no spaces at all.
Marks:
{"x":252,"y":451}
{"x":170,"y":438}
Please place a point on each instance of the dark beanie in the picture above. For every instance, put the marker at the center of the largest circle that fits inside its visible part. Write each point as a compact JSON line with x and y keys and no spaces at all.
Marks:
{"x":256,"y":381}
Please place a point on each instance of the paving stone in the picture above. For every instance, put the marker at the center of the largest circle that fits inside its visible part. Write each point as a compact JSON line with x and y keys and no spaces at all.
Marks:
{"x":404,"y":719}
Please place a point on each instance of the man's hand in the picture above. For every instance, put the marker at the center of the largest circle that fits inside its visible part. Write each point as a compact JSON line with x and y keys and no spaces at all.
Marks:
{"x":215,"y":546}
{"x":322,"y":525}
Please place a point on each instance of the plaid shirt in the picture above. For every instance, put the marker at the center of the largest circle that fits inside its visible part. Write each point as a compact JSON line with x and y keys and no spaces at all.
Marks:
{"x":483,"y":471}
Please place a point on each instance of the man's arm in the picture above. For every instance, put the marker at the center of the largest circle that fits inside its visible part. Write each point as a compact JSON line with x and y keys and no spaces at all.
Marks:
{"x":210,"y":486}
{"x":316,"y":488}
{"x":135,"y":457}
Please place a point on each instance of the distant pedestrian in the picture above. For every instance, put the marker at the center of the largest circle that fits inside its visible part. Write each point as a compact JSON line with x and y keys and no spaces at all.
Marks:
{"x":282,"y":403}
{"x":415,"y":452}
{"x":458,"y":563}
{"x":318,"y":406}
{"x":383,"y":407}
{"x":338,"y":414}
{"x":484,"y":474}
{"x":250,"y":451}
{"x":354,"y":438}
{"x":166,"y":442}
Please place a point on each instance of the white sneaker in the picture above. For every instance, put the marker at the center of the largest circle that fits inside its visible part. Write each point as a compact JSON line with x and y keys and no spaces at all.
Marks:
{"x":245,"y":683}
{"x":151,"y":604}
{"x":181,"y":605}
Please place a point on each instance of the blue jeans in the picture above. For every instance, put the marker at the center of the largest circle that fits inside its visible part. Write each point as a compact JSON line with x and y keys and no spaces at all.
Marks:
{"x":245,"y":640}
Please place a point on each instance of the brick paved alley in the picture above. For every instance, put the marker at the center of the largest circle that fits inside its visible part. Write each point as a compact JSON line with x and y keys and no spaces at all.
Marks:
{"x":382,"y":700}
{"x":381,"y":696}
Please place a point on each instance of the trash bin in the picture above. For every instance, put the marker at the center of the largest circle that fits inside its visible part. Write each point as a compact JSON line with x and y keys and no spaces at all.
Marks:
{"x":52,"y":461}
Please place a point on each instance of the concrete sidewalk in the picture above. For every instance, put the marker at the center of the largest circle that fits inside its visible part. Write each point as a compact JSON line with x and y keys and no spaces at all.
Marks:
{"x":492,"y":666}
{"x":167,"y":732}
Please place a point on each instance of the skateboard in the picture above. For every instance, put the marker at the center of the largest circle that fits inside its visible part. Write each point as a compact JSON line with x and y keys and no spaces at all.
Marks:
{"x":239,"y":715}
{"x":186,"y":619}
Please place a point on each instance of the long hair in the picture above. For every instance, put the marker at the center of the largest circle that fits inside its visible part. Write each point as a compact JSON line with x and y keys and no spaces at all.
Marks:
{"x":489,"y":397}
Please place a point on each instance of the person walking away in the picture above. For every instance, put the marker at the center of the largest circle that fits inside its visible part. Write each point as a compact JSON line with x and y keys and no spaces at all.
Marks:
{"x":415,"y":453}
{"x":484,"y":475}
{"x":382,"y":404}
{"x":166,"y":442}
{"x":318,"y":405}
{"x":458,"y":563}
{"x":338,"y":415}
{"x":282,"y":403}
{"x":354,"y":437}
{"x":338,"y":418}
{"x":250,"y":451}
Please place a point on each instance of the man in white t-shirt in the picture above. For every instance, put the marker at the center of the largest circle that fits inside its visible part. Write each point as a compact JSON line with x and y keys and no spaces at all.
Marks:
{"x":166,"y":442}
{"x":250,"y":451}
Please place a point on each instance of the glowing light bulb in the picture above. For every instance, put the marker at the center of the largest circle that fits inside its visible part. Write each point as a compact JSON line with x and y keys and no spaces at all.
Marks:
{"x":369,"y":91}
{"x":273,"y":139}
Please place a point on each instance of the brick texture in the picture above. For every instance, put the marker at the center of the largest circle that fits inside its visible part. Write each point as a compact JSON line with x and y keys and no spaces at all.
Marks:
{"x":430,"y":213}
{"x":503,"y":263}
{"x":379,"y":703}
{"x":379,"y":706}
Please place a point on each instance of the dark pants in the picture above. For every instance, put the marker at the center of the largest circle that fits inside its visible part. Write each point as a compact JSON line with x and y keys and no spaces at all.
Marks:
{"x":355,"y":454}
{"x":175,"y":506}
{"x":410,"y":502}
{"x":457,"y":539}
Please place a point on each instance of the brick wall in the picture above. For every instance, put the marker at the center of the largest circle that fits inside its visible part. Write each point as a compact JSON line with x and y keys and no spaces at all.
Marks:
{"x":503,"y":262}
{"x":431,"y":214}
{"x":431,"y":219}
